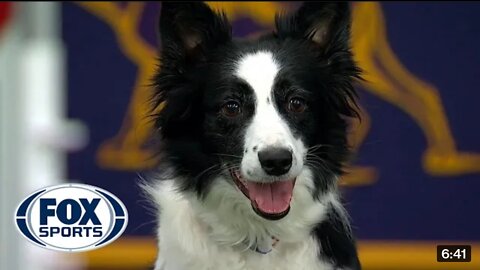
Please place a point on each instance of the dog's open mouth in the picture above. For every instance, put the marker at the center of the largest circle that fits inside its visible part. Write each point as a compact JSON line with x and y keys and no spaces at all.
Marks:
{"x":269,"y":200}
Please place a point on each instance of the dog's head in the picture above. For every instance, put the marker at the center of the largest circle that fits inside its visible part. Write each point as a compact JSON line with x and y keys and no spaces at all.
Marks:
{"x":255,"y":113}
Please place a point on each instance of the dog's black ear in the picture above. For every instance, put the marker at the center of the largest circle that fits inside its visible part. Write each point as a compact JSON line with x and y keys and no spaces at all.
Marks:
{"x":325,"y":24}
{"x":189,"y":29}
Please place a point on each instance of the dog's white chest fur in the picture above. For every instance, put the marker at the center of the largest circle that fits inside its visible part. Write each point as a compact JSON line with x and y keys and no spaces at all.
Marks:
{"x":186,"y":242}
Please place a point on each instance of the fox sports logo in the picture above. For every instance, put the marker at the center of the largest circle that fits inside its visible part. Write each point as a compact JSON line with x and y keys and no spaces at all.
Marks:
{"x":71,"y":217}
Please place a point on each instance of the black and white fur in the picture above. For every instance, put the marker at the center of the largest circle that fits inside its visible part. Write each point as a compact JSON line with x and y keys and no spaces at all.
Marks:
{"x":228,"y":100}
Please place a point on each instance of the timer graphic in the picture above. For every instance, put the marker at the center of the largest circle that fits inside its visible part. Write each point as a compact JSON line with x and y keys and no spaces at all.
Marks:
{"x":454,"y":253}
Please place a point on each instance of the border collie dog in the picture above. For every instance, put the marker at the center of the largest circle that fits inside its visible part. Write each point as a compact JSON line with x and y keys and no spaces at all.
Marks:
{"x":254,"y":140}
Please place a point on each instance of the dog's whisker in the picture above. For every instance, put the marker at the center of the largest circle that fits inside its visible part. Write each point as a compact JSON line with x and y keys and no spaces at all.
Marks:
{"x":227,"y":155}
{"x":317,"y":146}
{"x":205,"y":171}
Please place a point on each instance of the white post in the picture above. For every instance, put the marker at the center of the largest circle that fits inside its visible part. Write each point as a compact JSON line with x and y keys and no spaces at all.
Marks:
{"x":10,"y":246}
{"x":34,"y":131}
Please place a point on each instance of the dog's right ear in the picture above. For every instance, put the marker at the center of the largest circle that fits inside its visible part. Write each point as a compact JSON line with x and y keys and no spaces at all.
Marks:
{"x":188,"y":30}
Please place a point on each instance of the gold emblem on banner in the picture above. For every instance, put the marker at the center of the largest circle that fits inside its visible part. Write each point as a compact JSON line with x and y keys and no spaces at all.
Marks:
{"x":386,"y":78}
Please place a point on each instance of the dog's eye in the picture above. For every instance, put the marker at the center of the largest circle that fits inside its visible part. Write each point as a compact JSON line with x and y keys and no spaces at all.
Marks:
{"x":231,"y":109}
{"x":296,"y":105}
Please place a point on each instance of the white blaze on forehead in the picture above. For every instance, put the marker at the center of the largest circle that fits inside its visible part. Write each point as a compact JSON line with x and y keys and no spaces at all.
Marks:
{"x":259,"y":71}
{"x":267,"y":127}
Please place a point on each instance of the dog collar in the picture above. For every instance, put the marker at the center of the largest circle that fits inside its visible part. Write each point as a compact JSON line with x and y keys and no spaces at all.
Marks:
{"x":265,"y":245}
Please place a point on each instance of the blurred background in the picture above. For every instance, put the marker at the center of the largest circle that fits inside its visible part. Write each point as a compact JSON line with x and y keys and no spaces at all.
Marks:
{"x":73,"y":89}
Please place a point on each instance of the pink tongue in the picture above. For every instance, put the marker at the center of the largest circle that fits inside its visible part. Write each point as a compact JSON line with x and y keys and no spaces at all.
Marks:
{"x":271,"y":198}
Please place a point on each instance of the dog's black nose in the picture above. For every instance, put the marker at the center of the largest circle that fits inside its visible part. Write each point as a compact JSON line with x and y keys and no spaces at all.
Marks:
{"x":275,"y":161}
